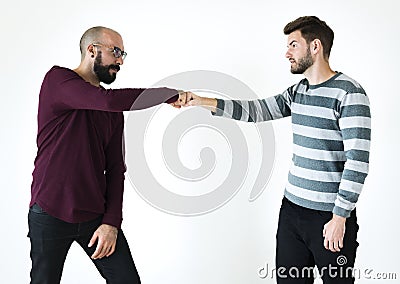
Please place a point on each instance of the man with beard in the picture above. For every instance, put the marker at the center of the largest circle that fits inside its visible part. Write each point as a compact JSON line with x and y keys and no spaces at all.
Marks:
{"x":331,"y":138}
{"x":78,"y":180}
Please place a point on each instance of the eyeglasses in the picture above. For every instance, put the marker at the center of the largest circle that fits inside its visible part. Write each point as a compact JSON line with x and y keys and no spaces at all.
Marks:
{"x":118,"y":52}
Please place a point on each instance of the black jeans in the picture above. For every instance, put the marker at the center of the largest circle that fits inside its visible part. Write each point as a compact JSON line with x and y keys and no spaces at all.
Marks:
{"x":51,"y":239}
{"x":300,"y":247}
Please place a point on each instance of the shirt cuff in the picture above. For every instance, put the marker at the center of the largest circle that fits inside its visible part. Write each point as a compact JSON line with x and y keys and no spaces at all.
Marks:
{"x":219,"y":110}
{"x":112,"y":220}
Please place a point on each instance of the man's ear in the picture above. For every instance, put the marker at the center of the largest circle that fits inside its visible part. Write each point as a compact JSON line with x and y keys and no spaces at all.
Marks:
{"x":315,"y":46}
{"x":91,"y":50}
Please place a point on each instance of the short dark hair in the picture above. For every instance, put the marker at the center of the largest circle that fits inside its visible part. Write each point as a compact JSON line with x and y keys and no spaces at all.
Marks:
{"x":311,"y":27}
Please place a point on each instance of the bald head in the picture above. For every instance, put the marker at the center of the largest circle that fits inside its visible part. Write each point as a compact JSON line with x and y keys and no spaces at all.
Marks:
{"x":94,"y":35}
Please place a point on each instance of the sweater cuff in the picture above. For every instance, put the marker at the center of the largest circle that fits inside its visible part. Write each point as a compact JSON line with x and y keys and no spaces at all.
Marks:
{"x":341,"y":212}
{"x":219,"y":111}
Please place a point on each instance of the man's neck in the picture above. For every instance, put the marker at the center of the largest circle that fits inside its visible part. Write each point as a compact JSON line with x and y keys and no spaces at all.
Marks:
{"x":319,"y":72}
{"x":87,"y":74}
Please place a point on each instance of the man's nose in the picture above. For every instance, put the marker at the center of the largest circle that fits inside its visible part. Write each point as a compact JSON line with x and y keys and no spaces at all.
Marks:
{"x":119,"y":61}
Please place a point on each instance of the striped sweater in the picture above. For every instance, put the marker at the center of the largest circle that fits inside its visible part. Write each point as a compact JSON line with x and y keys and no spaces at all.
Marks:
{"x":331,"y":125}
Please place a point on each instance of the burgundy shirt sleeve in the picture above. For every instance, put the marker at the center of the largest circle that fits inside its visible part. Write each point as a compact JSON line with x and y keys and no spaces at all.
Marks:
{"x":75,"y":93}
{"x":114,"y":172}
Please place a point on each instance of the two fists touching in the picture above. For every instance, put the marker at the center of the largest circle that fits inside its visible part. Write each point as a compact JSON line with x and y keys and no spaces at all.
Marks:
{"x":190,"y":99}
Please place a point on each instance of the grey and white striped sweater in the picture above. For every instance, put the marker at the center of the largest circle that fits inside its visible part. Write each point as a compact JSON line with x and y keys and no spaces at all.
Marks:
{"x":331,"y":139}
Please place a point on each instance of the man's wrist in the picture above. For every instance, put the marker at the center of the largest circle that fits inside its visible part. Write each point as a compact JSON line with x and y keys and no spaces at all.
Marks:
{"x":338,"y":218}
{"x":211,"y":103}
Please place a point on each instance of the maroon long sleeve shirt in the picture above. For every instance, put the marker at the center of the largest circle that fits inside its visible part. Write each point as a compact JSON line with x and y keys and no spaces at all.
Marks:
{"x":79,"y":167}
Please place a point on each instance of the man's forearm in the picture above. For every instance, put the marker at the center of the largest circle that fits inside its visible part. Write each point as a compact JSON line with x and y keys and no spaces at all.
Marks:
{"x":209,"y":103}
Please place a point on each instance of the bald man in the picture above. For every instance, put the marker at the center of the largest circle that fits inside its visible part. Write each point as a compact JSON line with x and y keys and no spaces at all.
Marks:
{"x":78,"y":179}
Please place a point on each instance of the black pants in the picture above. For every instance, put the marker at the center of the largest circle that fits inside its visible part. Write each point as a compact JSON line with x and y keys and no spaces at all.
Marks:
{"x":51,"y":239}
{"x":300,"y":247}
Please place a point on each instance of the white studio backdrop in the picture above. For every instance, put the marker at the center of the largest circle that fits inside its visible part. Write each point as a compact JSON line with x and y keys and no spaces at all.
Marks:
{"x":242,"y":39}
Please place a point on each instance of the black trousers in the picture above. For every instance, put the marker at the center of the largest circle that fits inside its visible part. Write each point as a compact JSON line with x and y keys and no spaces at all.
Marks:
{"x":51,"y":239}
{"x":300,"y":247}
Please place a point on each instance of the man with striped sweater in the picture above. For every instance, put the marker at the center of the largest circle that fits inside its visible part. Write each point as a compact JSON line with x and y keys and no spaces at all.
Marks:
{"x":331,"y":139}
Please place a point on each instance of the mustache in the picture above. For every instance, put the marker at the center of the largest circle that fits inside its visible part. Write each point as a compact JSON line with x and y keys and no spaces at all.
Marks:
{"x":113,"y":66}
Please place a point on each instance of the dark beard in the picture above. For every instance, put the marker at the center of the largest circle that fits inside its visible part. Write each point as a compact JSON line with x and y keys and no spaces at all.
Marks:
{"x":103,"y":72}
{"x":303,"y":64}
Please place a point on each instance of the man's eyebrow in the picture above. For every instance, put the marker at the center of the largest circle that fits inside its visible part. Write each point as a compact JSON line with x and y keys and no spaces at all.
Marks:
{"x":292,"y":42}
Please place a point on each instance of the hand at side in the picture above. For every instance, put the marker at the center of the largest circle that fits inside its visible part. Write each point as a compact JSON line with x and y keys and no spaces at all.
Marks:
{"x":106,"y":237}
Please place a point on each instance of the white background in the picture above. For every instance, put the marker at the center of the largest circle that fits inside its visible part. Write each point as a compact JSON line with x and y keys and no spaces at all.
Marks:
{"x":243,"y":39}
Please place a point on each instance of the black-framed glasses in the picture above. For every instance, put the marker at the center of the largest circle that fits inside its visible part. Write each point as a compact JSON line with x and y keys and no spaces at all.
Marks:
{"x":118,"y":52}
